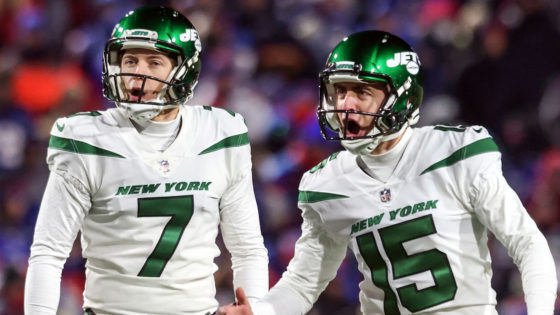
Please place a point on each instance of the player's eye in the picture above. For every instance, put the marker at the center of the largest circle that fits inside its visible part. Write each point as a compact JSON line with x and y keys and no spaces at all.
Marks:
{"x":364,"y":92}
{"x":129,"y":62}
{"x":156,"y":62}
{"x":339,"y":90}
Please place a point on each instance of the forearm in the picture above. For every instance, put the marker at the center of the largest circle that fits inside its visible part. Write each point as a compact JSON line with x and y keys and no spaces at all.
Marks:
{"x":316,"y":260}
{"x":281,"y":300}
{"x":42,"y":286}
{"x":250,"y":267}
{"x":538,"y":274}
{"x":242,"y":237}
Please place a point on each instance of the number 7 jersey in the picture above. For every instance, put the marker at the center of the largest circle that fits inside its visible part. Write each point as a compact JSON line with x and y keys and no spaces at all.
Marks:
{"x":420,"y":237}
{"x":149,"y":219}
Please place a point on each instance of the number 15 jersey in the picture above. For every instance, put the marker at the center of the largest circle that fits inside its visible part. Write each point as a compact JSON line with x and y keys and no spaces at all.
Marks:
{"x":419,"y":236}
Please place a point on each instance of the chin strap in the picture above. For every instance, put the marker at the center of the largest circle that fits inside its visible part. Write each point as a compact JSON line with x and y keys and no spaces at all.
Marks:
{"x":143,"y":112}
{"x":367,"y":145}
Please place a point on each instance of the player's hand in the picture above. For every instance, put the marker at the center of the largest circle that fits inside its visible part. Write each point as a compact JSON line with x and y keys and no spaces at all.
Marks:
{"x":241,"y":307}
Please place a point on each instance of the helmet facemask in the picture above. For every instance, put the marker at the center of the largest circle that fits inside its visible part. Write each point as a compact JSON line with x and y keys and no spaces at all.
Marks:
{"x":385,"y":124}
{"x":144,"y":108}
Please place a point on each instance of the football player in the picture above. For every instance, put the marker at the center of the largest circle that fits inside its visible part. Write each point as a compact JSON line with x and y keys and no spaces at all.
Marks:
{"x":413,"y":204}
{"x":147,"y":184}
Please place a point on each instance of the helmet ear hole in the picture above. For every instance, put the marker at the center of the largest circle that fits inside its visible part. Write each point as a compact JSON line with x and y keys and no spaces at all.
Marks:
{"x":173,"y":92}
{"x":385,"y":123}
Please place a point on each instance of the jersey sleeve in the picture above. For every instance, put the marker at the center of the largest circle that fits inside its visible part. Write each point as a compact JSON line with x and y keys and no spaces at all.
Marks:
{"x":63,"y":208}
{"x":61,"y":214}
{"x":315,"y":263}
{"x":498,"y":207}
{"x":240,"y":224}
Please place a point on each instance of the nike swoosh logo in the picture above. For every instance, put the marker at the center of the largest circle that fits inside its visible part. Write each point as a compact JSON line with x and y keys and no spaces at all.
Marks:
{"x":60,"y":127}
{"x":475,"y":130}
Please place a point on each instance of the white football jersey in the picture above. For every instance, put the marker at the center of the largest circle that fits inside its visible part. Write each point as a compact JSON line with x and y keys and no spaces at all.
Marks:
{"x":149,"y":234}
{"x":420,"y":236}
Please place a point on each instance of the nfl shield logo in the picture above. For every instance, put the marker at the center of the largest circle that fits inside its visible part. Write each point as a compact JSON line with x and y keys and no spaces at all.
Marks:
{"x":385,"y":195}
{"x":164,"y":166}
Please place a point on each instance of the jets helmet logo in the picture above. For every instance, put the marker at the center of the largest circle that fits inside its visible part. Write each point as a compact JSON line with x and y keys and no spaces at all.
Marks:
{"x":191,"y":35}
{"x":408,"y":58}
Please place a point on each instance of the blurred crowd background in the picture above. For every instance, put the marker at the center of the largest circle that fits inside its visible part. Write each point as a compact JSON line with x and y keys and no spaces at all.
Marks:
{"x":494,"y":63}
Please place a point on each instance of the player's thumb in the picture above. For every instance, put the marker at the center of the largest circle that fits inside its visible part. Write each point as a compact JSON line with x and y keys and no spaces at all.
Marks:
{"x":241,"y":297}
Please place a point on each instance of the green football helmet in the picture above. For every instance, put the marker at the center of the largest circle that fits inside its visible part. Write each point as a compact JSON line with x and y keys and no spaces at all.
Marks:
{"x":161,"y":29}
{"x":368,"y":57}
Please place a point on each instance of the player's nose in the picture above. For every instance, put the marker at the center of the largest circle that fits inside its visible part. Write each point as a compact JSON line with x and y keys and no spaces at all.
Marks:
{"x":350,"y":102}
{"x":141,"y":68}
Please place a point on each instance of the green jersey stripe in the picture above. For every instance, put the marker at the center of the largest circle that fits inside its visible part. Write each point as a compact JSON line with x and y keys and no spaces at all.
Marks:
{"x":75,"y":146}
{"x":316,"y":196}
{"x":232,"y":113}
{"x":450,"y":128}
{"x":90,"y":113}
{"x":478,"y":147}
{"x":233,"y":141}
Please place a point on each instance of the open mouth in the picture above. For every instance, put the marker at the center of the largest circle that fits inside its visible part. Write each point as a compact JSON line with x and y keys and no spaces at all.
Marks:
{"x":135,"y":94}
{"x":352,"y":127}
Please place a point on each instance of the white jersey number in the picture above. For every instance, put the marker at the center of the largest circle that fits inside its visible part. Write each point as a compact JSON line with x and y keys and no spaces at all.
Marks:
{"x":180,"y":209}
{"x":403,"y":265}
